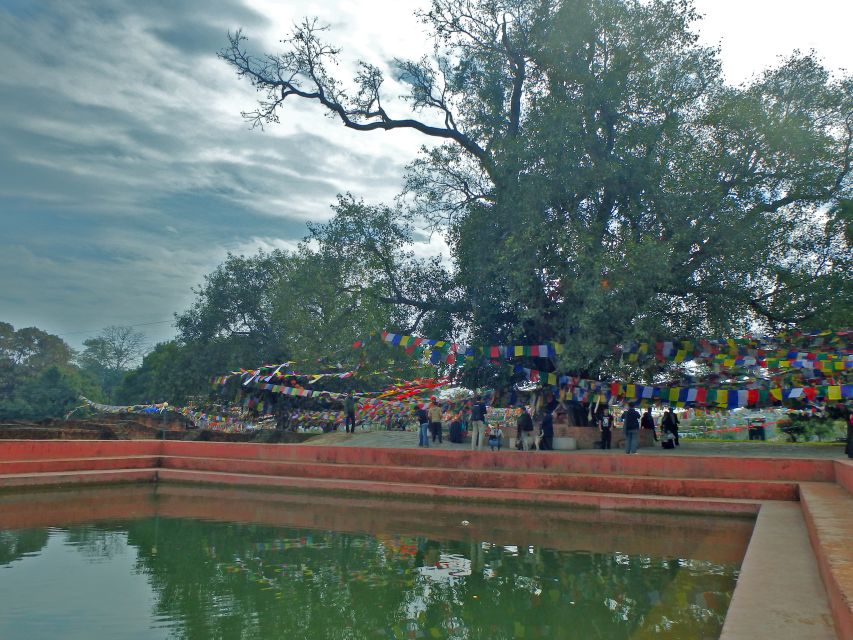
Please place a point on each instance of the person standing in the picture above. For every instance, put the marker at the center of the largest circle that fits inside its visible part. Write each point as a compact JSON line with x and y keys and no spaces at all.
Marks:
{"x":631,"y":425}
{"x":648,"y":422}
{"x":478,"y":424}
{"x":546,"y":442}
{"x":495,"y":438}
{"x":669,"y":424}
{"x":423,"y":427}
{"x":435,"y":420}
{"x":849,"y":448}
{"x":605,"y":426}
{"x":525,"y":429}
{"x":349,"y":409}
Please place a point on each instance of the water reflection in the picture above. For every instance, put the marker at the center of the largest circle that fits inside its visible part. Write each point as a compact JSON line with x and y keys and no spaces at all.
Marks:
{"x":383,"y":571}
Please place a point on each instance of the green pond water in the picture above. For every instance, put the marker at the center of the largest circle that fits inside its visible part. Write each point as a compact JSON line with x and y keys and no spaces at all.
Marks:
{"x":196,"y":562}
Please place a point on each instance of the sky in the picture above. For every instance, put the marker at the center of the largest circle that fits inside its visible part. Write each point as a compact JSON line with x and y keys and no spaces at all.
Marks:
{"x":127,"y":173}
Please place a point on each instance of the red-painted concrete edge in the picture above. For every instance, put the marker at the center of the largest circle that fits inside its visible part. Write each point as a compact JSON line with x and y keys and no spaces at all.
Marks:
{"x":77,"y":477}
{"x":497,"y":478}
{"x":587,"y":499}
{"x":830,"y":535}
{"x":716,"y":467}
{"x":795,"y":469}
{"x":844,"y":474}
{"x":47,"y":465}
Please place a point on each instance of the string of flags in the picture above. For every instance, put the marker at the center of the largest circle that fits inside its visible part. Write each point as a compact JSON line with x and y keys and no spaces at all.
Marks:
{"x":449,"y":352}
{"x":583,"y":390}
{"x":783,"y":347}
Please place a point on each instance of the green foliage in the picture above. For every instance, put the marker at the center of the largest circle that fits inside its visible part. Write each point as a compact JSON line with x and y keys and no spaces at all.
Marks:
{"x":306,"y":308}
{"x":595,"y":178}
{"x":37,"y":377}
{"x":110,"y":354}
{"x":805,"y":426}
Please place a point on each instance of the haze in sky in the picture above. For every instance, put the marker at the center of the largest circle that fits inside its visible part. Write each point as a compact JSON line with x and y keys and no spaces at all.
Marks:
{"x":127,"y":173}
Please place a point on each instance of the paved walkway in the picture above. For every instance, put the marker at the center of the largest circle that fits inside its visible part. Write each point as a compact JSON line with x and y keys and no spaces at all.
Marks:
{"x":409,"y":439}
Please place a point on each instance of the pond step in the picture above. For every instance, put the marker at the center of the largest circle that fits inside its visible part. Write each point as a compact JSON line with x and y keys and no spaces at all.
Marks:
{"x":542,"y":480}
{"x":522,"y":496}
{"x":828,"y":510}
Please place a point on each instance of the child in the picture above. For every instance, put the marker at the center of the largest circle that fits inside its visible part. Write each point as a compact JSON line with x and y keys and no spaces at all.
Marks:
{"x":495,"y":437}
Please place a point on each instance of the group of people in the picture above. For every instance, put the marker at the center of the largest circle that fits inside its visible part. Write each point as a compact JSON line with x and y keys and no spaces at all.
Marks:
{"x":430,"y":426}
{"x":632,"y":422}
{"x":482,"y":434}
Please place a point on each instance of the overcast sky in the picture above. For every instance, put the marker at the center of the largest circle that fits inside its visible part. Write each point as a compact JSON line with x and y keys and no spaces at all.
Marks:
{"x":126,"y":172}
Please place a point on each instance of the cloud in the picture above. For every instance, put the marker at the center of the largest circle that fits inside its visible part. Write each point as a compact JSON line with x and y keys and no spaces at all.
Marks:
{"x":126,"y":172}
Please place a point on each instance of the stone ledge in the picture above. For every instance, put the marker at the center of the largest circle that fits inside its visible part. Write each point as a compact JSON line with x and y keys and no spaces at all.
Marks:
{"x":779,"y":593}
{"x":828,"y":511}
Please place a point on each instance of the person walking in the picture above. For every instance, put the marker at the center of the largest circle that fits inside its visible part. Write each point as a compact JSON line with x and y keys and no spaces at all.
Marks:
{"x":546,"y":431}
{"x":478,"y":423}
{"x":648,"y":422}
{"x":525,"y":429}
{"x":435,"y":420}
{"x":423,"y":427}
{"x":669,"y":424}
{"x":349,"y":409}
{"x":605,"y":426}
{"x":631,"y":425}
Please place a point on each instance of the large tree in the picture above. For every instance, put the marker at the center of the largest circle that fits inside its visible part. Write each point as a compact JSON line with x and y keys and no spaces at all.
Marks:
{"x":37,"y":376}
{"x":596,"y":178}
{"x":305,"y":307}
{"x":112,"y":353}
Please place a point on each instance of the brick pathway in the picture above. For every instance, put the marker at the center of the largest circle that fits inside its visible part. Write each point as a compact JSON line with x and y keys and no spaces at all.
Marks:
{"x":406,"y":439}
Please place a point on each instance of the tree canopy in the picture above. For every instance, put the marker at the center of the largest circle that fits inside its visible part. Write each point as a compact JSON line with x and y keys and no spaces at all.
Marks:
{"x":38,"y":378}
{"x":595,"y":177}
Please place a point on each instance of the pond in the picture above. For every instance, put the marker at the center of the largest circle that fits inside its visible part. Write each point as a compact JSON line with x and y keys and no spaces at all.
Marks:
{"x":181,"y":561}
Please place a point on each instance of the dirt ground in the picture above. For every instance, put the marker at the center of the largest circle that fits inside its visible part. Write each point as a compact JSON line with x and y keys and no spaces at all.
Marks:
{"x":132,"y":427}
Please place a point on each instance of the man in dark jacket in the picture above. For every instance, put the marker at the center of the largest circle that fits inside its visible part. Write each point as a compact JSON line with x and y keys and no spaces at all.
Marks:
{"x":478,"y":424}
{"x":525,"y":428}
{"x":546,"y":442}
{"x":631,"y":425}
{"x":606,"y":427}
{"x":349,"y":408}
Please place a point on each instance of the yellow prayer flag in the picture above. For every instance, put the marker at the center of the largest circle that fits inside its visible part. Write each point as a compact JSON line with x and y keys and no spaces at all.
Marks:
{"x":833,"y":393}
{"x":776,"y":393}
{"x":552,"y":378}
{"x":673,"y":394}
{"x":680,"y":355}
{"x":631,"y":391}
{"x":722,"y":397}
{"x":518,"y":350}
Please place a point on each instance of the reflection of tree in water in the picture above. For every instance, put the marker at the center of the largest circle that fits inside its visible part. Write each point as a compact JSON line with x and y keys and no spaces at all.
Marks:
{"x":236,"y":581}
{"x":216,"y":580}
{"x":97,"y":542}
{"x":16,"y":544}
